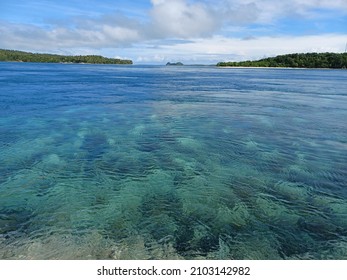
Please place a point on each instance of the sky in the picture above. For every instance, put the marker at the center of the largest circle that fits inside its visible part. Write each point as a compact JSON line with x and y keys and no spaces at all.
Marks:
{"x":190,"y":31}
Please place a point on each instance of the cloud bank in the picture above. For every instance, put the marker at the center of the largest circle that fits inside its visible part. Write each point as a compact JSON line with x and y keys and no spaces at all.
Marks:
{"x":218,"y":48}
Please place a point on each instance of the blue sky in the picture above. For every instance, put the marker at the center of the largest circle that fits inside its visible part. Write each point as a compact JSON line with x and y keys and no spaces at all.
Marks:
{"x":191,"y":31}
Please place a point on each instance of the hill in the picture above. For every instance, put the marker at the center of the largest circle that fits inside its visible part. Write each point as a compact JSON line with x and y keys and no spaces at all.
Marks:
{"x":19,"y":56}
{"x":297,"y":60}
{"x":174,"y":64}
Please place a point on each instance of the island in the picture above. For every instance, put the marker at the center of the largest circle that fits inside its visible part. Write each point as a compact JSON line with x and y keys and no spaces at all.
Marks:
{"x":296,"y":60}
{"x":174,"y":64}
{"x":20,"y":56}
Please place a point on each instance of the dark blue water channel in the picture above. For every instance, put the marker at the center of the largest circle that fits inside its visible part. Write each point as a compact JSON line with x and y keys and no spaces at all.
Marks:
{"x":148,"y":162}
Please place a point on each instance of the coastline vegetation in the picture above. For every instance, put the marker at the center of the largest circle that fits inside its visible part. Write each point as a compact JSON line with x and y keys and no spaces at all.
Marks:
{"x":296,"y":60}
{"x":20,"y":56}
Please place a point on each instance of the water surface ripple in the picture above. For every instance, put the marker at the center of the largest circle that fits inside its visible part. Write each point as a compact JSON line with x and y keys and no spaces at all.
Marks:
{"x":148,"y":162}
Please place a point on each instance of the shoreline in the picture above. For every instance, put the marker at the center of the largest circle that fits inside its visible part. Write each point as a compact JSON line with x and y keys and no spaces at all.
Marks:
{"x":263,"y":67}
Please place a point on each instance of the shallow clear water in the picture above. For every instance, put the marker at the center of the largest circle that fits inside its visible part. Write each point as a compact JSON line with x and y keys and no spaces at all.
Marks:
{"x":134,"y":162}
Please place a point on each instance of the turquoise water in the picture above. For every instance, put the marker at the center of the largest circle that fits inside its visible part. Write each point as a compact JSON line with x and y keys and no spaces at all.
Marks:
{"x":136,"y":162}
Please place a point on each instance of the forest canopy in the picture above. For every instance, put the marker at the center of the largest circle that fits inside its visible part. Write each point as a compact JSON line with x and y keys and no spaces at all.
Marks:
{"x":297,"y":60}
{"x":19,"y":56}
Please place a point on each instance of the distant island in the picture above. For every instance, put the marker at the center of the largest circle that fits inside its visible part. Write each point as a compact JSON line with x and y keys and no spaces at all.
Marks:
{"x":19,"y":56}
{"x":174,"y":64}
{"x":297,"y":60}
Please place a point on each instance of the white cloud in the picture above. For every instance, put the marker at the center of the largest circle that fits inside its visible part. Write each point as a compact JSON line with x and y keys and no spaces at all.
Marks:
{"x":266,"y":11}
{"x":119,"y":33}
{"x":97,"y":33}
{"x":218,"y":48}
{"x":182,"y":19}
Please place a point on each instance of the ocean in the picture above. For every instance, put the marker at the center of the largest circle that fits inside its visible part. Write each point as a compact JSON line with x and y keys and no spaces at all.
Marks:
{"x":164,"y":162}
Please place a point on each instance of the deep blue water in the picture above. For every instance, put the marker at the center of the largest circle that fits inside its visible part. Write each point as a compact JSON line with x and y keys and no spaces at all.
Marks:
{"x":148,"y":162}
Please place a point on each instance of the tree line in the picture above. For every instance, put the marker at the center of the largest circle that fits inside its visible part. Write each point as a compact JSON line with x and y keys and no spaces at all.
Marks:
{"x":297,"y":60}
{"x":19,"y":56}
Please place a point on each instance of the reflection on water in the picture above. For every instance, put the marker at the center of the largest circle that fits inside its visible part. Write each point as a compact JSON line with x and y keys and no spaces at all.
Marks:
{"x":107,"y":162}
